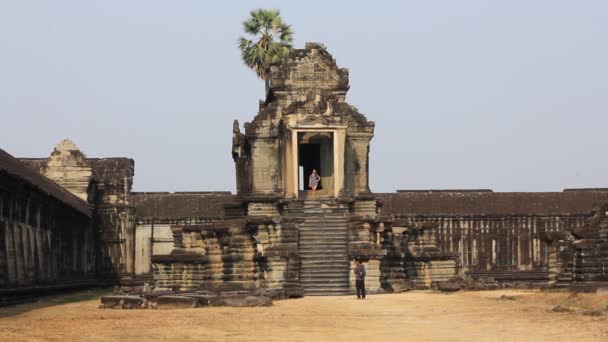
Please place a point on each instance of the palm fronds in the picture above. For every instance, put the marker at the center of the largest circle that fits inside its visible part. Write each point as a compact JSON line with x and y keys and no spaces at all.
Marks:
{"x":268,"y":39}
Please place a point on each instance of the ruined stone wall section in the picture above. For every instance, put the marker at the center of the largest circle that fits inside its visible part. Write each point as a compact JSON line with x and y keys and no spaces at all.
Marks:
{"x":115,"y":226}
{"x":276,"y":246}
{"x":216,"y":256}
{"x":114,"y":216}
{"x":590,"y":257}
{"x":412,"y":258}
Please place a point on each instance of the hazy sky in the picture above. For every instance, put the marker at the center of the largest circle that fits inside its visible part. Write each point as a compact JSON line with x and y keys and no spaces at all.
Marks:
{"x":509,"y":95}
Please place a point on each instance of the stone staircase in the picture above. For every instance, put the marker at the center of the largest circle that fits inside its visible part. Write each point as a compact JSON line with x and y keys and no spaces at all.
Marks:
{"x":323,"y":249}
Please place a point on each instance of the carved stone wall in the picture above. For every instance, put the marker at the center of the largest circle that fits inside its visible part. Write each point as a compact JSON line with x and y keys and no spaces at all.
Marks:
{"x":501,"y":235}
{"x":46,"y":235}
{"x":106,"y":184}
{"x":412,"y":255}
{"x":216,"y":256}
{"x":580,"y":256}
{"x":308,"y":96}
{"x":156,"y":212}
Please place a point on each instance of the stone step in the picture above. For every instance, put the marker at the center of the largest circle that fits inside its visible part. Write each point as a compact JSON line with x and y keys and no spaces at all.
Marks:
{"x":326,"y":254}
{"x":331,"y":283}
{"x":330,"y":257}
{"x":324,"y":224}
{"x":308,"y":275}
{"x":324,"y":283}
{"x":319,"y":231}
{"x":320,"y":241}
{"x":323,"y":248}
{"x":324,"y":264}
{"x":327,"y":245}
{"x":327,"y":233}
{"x":322,"y":236}
{"x":332,"y":271}
{"x":326,"y":293}
{"x":310,"y":222}
{"x":333,"y":265}
{"x":322,"y":260}
{"x":338,"y":246}
{"x":313,"y":238}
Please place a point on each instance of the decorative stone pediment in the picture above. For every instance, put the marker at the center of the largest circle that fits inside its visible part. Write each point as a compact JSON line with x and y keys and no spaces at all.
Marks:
{"x":69,"y":167}
{"x":309,"y":69}
{"x":306,"y":88}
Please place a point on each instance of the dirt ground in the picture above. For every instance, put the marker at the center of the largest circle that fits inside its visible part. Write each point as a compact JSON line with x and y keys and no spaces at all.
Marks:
{"x":416,"y":315}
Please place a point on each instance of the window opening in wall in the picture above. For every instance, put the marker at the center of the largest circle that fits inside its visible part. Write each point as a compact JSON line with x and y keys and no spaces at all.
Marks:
{"x":494,"y":251}
{"x":544,"y":247}
{"x":474,"y":253}
{"x":536,"y":256}
{"x":514,"y":252}
{"x":463,"y":252}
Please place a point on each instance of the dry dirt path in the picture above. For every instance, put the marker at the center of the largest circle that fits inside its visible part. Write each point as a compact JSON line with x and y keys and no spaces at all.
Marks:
{"x":411,"y":316}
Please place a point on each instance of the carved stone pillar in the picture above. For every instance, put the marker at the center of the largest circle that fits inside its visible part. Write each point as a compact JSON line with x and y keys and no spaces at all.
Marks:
{"x":357,"y":165}
{"x":265,"y":166}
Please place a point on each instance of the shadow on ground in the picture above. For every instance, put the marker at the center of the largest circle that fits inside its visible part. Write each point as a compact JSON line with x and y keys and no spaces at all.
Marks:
{"x":55,"y":299}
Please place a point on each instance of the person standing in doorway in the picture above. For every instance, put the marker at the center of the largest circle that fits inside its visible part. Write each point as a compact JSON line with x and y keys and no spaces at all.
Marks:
{"x":359,"y":270}
{"x":313,"y":181}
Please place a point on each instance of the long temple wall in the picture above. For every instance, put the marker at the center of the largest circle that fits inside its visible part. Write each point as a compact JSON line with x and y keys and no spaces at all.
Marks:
{"x":44,"y":242}
{"x":68,"y":218}
{"x":500,"y":235}
{"x":106,"y":184}
{"x":497,"y":245}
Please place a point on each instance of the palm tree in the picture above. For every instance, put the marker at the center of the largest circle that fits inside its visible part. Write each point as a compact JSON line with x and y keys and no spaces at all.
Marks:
{"x":271,"y":39}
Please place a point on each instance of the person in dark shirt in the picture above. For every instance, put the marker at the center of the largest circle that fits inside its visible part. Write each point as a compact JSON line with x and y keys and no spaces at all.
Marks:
{"x":359,"y":270}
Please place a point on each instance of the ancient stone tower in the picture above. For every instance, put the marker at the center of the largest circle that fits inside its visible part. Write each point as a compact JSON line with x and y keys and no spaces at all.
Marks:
{"x":305,"y":123}
{"x":273,"y":235}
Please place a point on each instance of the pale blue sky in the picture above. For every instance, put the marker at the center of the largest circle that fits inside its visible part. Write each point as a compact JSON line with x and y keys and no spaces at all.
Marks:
{"x":509,"y":95}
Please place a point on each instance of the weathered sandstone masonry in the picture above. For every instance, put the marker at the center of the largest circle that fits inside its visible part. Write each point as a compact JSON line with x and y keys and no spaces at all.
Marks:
{"x":578,"y":258}
{"x":69,"y":219}
{"x":285,"y":239}
{"x":46,"y":234}
{"x":105,"y":184}
{"x":499,"y":235}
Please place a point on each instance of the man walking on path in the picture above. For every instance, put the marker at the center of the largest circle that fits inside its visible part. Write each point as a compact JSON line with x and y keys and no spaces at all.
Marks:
{"x":359,"y":270}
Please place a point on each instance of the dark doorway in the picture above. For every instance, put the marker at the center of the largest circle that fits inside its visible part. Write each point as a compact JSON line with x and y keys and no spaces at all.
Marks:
{"x":309,"y":156}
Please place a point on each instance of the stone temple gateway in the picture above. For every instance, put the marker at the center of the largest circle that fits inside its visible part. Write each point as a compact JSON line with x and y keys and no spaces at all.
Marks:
{"x":286,"y":238}
{"x":71,"y":221}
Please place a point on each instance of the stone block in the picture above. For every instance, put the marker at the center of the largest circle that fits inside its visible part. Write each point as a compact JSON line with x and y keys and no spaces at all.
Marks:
{"x":121,"y":302}
{"x":176,"y":302}
{"x":447,"y":286}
